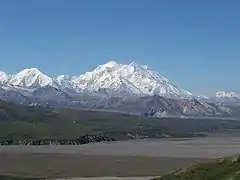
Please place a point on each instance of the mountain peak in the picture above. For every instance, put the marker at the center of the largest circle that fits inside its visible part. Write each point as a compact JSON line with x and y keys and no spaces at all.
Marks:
{"x":132,"y":78}
{"x":133,"y":63}
{"x":62,"y":77}
{"x":136,"y":65}
{"x":111,"y":64}
{"x":31,"y":78}
{"x":118,"y":79}
{"x":224,"y":94}
{"x":3,"y":77}
{"x":30,"y":71}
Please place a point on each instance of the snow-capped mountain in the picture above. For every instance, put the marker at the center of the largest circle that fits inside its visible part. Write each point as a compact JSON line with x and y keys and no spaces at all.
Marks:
{"x":31,"y":78}
{"x":65,"y":82}
{"x":111,"y":79}
{"x":227,"y":98}
{"x":121,"y":80}
{"x":3,"y":77}
{"x":128,"y":88}
{"x":223,"y":94}
{"x":163,"y":107}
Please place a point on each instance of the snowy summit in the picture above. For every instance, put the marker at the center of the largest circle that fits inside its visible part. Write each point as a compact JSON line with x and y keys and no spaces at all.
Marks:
{"x":31,"y":78}
{"x":131,"y":79}
{"x":223,"y":94}
{"x":111,"y":78}
{"x":3,"y":77}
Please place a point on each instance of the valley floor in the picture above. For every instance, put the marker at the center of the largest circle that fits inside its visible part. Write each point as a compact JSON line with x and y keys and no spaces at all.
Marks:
{"x":122,"y":159}
{"x":209,"y":147}
{"x":110,"y":178}
{"x":75,"y":165}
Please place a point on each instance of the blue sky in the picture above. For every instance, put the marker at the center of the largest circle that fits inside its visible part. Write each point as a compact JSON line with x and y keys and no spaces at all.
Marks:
{"x":195,"y":44}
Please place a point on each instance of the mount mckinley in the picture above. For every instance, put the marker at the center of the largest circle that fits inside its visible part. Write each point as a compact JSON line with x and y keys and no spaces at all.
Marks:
{"x":113,"y":87}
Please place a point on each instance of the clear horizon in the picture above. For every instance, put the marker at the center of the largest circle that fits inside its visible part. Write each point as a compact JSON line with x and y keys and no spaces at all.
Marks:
{"x":193,"y":44}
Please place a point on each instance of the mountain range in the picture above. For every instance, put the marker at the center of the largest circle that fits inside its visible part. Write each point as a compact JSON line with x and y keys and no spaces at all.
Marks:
{"x":112,"y":86}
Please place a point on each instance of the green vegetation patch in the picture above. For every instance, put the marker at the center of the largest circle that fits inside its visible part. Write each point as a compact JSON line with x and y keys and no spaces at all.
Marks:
{"x":16,"y":178}
{"x":222,"y":169}
{"x":20,"y":123}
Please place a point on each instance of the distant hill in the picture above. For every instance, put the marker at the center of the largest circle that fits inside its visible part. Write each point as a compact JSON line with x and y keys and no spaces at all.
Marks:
{"x":43,"y":125}
{"x":222,"y":169}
